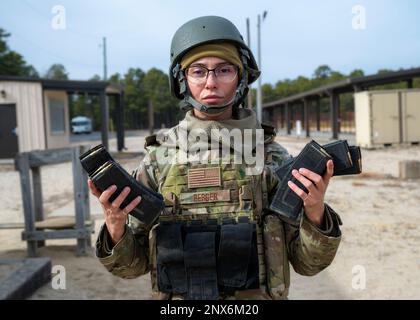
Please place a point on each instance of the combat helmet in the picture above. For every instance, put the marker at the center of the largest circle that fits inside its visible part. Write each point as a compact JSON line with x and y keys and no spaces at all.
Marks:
{"x":205,"y":30}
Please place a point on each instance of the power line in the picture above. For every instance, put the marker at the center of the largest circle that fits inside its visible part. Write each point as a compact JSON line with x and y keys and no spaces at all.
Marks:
{"x":105,"y":63}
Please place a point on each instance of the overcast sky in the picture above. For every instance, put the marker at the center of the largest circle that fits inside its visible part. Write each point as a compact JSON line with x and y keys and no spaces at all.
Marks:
{"x":297,"y":36}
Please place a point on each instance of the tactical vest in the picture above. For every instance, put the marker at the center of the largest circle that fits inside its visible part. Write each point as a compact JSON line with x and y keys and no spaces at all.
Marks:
{"x":208,"y":243}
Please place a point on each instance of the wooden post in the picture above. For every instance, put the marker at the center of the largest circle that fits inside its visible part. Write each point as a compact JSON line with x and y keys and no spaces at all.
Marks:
{"x":334,"y":114}
{"x":409,"y":169}
{"x":120,"y":121}
{"x":281,"y":116}
{"x":32,"y":207}
{"x":306,"y":116}
{"x":37,"y":189}
{"x":104,"y":117}
{"x":287,"y":116}
{"x":410,"y":84}
{"x":318,"y":114}
{"x":85,"y":194}
{"x":79,"y":199}
{"x":25,"y":185}
{"x":151,"y":118}
{"x":338,"y":114}
{"x":276,"y":116}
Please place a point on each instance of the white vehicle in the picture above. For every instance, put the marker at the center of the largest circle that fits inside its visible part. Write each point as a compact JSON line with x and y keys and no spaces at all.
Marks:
{"x":81,"y":125}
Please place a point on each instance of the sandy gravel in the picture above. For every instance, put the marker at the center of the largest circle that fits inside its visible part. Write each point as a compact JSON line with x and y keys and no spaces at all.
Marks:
{"x":381,"y":233}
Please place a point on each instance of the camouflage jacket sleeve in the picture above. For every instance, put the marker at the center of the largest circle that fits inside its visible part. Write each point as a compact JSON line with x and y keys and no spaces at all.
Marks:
{"x":129,"y":258}
{"x":310,"y":249}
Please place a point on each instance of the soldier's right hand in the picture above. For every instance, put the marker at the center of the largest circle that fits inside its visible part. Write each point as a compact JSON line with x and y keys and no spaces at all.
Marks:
{"x":115,"y":218}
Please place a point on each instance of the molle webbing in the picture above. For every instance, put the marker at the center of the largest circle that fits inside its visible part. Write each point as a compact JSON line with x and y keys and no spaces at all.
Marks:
{"x":235,"y":194}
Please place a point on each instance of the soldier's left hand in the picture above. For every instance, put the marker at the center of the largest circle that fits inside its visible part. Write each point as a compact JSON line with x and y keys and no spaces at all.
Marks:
{"x":313,"y":200}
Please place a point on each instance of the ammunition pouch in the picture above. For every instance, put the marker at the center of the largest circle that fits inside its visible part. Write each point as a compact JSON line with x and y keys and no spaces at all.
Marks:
{"x":170,"y":261}
{"x":201,"y":260}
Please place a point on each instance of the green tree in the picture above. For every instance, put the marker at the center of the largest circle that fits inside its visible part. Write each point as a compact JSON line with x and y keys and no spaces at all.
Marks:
{"x":399,"y":85}
{"x":156,"y":86}
{"x":58,"y":72}
{"x":383,"y":71}
{"x":95,"y":78}
{"x":85,"y":104}
{"x":135,"y":107}
{"x":335,"y":76}
{"x":268,"y":93}
{"x":356,"y":73}
{"x":11,"y":62}
{"x":322,"y":72}
{"x":115,"y":78}
{"x":3,"y":44}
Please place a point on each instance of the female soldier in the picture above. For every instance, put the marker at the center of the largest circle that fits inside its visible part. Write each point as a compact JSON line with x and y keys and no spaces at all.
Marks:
{"x":216,"y":239}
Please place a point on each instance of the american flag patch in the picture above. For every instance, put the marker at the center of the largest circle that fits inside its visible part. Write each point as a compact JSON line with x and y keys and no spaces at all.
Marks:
{"x":204,"y":177}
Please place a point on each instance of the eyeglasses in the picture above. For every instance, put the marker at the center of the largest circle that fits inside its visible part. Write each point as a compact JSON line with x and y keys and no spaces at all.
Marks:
{"x":224,"y":73}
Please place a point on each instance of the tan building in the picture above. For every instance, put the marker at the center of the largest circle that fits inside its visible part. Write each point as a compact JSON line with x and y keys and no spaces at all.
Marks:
{"x":385,"y":117}
{"x":401,"y":115}
{"x":34,"y":113}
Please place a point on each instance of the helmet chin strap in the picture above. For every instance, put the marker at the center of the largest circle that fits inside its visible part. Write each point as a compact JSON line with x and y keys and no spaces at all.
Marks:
{"x":205,"y":107}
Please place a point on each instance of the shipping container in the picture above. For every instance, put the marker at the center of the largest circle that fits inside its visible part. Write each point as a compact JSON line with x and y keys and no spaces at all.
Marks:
{"x":387,"y":117}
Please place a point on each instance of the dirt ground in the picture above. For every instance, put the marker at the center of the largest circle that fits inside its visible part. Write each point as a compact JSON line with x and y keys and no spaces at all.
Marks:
{"x":380,"y":241}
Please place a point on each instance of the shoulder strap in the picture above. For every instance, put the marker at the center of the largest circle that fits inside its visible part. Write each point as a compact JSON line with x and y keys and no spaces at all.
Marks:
{"x":269,"y":132}
{"x":150,"y":141}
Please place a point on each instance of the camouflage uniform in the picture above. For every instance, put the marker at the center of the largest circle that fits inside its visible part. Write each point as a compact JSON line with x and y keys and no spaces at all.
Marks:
{"x":308,"y":248}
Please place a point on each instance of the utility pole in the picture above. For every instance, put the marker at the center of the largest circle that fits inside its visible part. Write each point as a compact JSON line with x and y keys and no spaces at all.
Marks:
{"x":259,"y":91}
{"x":105,"y":76}
{"x":104,"y":53}
{"x":249,"y":46}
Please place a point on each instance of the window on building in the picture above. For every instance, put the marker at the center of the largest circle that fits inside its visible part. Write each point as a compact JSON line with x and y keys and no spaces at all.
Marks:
{"x":57,"y":116}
